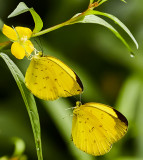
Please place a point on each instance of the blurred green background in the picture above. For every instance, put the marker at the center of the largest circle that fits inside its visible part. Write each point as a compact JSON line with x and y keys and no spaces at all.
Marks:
{"x":108,"y":72}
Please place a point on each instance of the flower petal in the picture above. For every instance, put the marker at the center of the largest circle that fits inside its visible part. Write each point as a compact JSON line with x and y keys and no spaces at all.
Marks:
{"x":17,"y":50}
{"x":29,"y":48}
{"x":9,"y":32}
{"x":24,"y":33}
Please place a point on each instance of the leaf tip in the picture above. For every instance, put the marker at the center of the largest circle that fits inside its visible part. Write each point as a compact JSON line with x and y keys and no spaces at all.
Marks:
{"x":21,"y":8}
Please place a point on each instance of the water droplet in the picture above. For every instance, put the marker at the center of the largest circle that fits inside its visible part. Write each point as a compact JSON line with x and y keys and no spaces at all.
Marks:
{"x":132,"y":55}
{"x":37,"y":149}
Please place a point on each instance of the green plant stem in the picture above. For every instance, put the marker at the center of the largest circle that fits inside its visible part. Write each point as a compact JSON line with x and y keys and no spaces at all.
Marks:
{"x":73,"y":20}
{"x":50,"y":29}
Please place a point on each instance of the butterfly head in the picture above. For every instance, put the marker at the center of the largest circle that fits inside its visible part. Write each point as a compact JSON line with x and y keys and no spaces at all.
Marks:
{"x":78,"y":103}
{"x":38,"y":54}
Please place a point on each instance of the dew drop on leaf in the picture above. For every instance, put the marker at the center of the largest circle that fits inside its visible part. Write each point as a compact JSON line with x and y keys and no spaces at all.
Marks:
{"x":132,"y":55}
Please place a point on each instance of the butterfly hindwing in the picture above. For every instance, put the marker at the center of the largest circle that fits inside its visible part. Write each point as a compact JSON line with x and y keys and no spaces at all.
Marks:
{"x":96,"y":127}
{"x":48,"y":78}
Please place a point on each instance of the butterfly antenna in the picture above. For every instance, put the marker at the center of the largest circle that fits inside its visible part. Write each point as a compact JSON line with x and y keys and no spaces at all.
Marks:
{"x":70,"y":108}
{"x":39,"y":43}
{"x":65,"y":116}
{"x":80,"y":97}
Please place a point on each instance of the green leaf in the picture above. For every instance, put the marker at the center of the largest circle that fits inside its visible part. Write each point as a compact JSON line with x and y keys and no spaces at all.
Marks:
{"x":1,"y":24}
{"x":28,"y":100}
{"x":117,"y":21}
{"x":127,"y":101}
{"x":98,"y":20}
{"x":22,"y":8}
{"x":37,"y":20}
{"x":124,"y":1}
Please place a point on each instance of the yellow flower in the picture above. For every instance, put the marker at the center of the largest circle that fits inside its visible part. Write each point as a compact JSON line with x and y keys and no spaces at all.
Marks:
{"x":22,"y":46}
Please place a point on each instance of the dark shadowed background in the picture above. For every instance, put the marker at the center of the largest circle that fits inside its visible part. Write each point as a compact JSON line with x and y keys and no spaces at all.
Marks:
{"x":108,"y":72}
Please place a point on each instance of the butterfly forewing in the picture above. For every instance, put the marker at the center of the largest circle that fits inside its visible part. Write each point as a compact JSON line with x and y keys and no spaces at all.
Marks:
{"x":48,"y":78}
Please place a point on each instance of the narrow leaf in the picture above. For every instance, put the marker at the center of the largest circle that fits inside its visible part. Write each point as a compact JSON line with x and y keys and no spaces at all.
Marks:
{"x":98,"y":20}
{"x":21,"y":8}
{"x":117,"y":21}
{"x":1,"y":24}
{"x":29,"y":102}
{"x":130,"y":90}
{"x":124,"y":1}
{"x":38,"y":21}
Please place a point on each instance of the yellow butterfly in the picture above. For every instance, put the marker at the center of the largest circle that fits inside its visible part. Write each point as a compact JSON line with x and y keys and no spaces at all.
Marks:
{"x":96,"y":127}
{"x":49,"y":78}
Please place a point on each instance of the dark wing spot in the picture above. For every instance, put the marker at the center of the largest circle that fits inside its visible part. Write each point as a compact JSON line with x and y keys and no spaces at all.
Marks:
{"x":92,"y":128}
{"x":55,"y":79}
{"x":79,"y":121}
{"x":47,"y":77}
{"x":44,"y":87}
{"x":100,"y":125}
{"x":87,"y":118}
{"x":35,"y":76}
{"x":35,"y":83}
{"x":45,"y":68}
{"x":41,"y":69}
{"x":94,"y":141}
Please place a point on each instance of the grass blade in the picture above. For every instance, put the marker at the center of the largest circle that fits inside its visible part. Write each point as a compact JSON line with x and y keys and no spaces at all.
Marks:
{"x":29,"y":102}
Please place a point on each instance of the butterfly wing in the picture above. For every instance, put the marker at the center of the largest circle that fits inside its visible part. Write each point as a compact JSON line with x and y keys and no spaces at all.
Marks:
{"x":96,"y":127}
{"x":48,"y":78}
